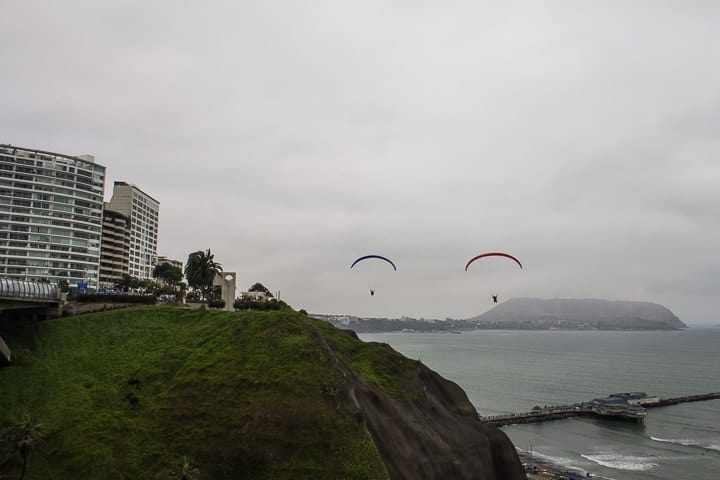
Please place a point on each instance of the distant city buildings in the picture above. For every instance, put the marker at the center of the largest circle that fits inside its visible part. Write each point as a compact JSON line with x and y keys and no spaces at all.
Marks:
{"x":175,"y":263}
{"x":50,"y":216}
{"x":161,"y":260}
{"x":143,"y":212}
{"x":54,"y":225}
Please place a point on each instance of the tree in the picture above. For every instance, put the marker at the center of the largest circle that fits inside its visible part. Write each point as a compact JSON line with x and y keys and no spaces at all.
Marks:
{"x":147,"y":285}
{"x":170,"y":274}
{"x":127,"y":282}
{"x":23,"y":436}
{"x":259,"y":287}
{"x":63,"y":285}
{"x":200,"y":271}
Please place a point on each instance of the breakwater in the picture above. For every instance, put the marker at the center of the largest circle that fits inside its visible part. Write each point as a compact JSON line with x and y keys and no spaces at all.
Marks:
{"x":619,"y":406}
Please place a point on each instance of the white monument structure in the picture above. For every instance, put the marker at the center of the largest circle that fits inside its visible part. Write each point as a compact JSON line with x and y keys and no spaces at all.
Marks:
{"x":226,"y":281}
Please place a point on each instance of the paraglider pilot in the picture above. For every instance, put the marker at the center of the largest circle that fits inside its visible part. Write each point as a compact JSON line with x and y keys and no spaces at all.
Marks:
{"x":494,"y":297}
{"x":372,"y":292}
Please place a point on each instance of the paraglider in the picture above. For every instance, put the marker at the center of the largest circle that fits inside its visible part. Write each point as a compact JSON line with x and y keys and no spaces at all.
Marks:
{"x":378,"y":257}
{"x":493,"y":254}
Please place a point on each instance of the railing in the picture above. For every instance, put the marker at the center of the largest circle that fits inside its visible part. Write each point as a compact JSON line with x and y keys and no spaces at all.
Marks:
{"x":28,"y":290}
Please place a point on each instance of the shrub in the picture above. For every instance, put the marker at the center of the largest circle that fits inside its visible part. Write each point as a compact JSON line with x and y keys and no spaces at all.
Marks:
{"x":272,"y":304}
{"x":216,"y":303}
{"x":116,"y":298}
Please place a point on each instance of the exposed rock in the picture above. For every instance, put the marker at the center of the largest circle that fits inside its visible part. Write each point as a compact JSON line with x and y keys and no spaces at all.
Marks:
{"x":436,"y":435}
{"x":579,"y":313}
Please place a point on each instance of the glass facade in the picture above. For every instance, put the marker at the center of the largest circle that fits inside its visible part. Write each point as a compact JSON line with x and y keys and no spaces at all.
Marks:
{"x":50,"y":216}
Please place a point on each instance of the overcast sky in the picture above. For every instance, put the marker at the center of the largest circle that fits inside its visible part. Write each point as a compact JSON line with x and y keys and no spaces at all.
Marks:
{"x":293,"y":137}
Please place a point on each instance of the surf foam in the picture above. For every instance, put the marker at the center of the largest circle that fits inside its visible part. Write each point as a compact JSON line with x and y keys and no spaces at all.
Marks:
{"x":689,"y":442}
{"x":622,"y":462}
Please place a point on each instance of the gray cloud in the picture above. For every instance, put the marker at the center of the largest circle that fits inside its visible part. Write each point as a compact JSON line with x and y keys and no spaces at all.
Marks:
{"x":291,"y":138}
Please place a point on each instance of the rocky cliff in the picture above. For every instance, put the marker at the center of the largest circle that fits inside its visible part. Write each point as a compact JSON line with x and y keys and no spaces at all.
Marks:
{"x":579,"y":313}
{"x":431,"y":430}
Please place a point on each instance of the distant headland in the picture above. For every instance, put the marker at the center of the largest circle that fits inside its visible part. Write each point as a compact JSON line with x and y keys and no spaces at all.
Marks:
{"x":532,"y":314}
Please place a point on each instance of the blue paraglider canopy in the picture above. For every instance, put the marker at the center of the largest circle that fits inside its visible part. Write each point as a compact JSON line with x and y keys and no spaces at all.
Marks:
{"x":380,"y":257}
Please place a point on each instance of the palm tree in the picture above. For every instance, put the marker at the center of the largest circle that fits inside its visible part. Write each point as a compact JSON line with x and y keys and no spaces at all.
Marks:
{"x":23,"y":436}
{"x":200,"y":270}
{"x":187,"y":471}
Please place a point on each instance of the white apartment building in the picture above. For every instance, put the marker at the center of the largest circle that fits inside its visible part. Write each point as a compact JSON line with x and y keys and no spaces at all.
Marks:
{"x":143,"y":212}
{"x":50,"y":216}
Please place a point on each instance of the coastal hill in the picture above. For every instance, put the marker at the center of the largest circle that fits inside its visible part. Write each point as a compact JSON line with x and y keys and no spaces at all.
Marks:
{"x":536,"y":313}
{"x":252,"y":395}
{"x":529,"y":314}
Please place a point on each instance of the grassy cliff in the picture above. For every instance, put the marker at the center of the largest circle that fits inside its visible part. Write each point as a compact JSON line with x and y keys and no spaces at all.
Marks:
{"x":127,"y":394}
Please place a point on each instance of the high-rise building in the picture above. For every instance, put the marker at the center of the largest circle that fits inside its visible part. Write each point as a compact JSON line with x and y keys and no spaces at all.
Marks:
{"x":50,"y":216}
{"x":143,"y":212}
{"x":115,"y":251}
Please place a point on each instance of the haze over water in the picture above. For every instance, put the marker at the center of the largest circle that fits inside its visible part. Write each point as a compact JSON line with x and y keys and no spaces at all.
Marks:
{"x":512,"y":371}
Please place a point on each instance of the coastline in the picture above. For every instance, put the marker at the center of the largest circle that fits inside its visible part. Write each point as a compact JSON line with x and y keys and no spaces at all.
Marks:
{"x":538,"y":467}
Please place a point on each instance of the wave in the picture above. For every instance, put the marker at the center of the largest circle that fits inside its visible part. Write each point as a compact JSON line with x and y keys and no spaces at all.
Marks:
{"x":678,"y":441}
{"x":689,"y":442}
{"x":561,"y":463}
{"x":622,"y":462}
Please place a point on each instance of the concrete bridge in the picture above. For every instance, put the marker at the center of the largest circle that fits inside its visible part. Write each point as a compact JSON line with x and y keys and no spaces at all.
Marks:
{"x":17,"y":294}
{"x":22,"y":300}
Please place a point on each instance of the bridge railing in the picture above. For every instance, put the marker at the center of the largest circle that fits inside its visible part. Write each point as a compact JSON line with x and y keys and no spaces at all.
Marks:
{"x":28,"y":290}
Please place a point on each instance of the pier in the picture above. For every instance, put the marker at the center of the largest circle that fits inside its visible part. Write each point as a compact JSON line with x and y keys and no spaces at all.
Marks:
{"x":663,"y":402}
{"x":618,"y":406}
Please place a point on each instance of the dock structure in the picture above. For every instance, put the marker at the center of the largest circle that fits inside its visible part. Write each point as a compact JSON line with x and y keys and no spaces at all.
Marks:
{"x":664,"y":402}
{"x":620,"y":406}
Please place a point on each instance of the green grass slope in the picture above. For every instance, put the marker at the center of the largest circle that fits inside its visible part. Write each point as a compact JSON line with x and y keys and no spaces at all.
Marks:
{"x":126,"y":394}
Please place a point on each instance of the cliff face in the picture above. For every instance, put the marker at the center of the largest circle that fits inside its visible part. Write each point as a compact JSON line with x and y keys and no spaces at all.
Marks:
{"x":438,"y":436}
{"x":431,"y":431}
{"x":579,"y":313}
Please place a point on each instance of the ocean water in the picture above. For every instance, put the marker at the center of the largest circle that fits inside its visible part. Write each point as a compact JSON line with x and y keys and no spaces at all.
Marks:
{"x":513,"y":371}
